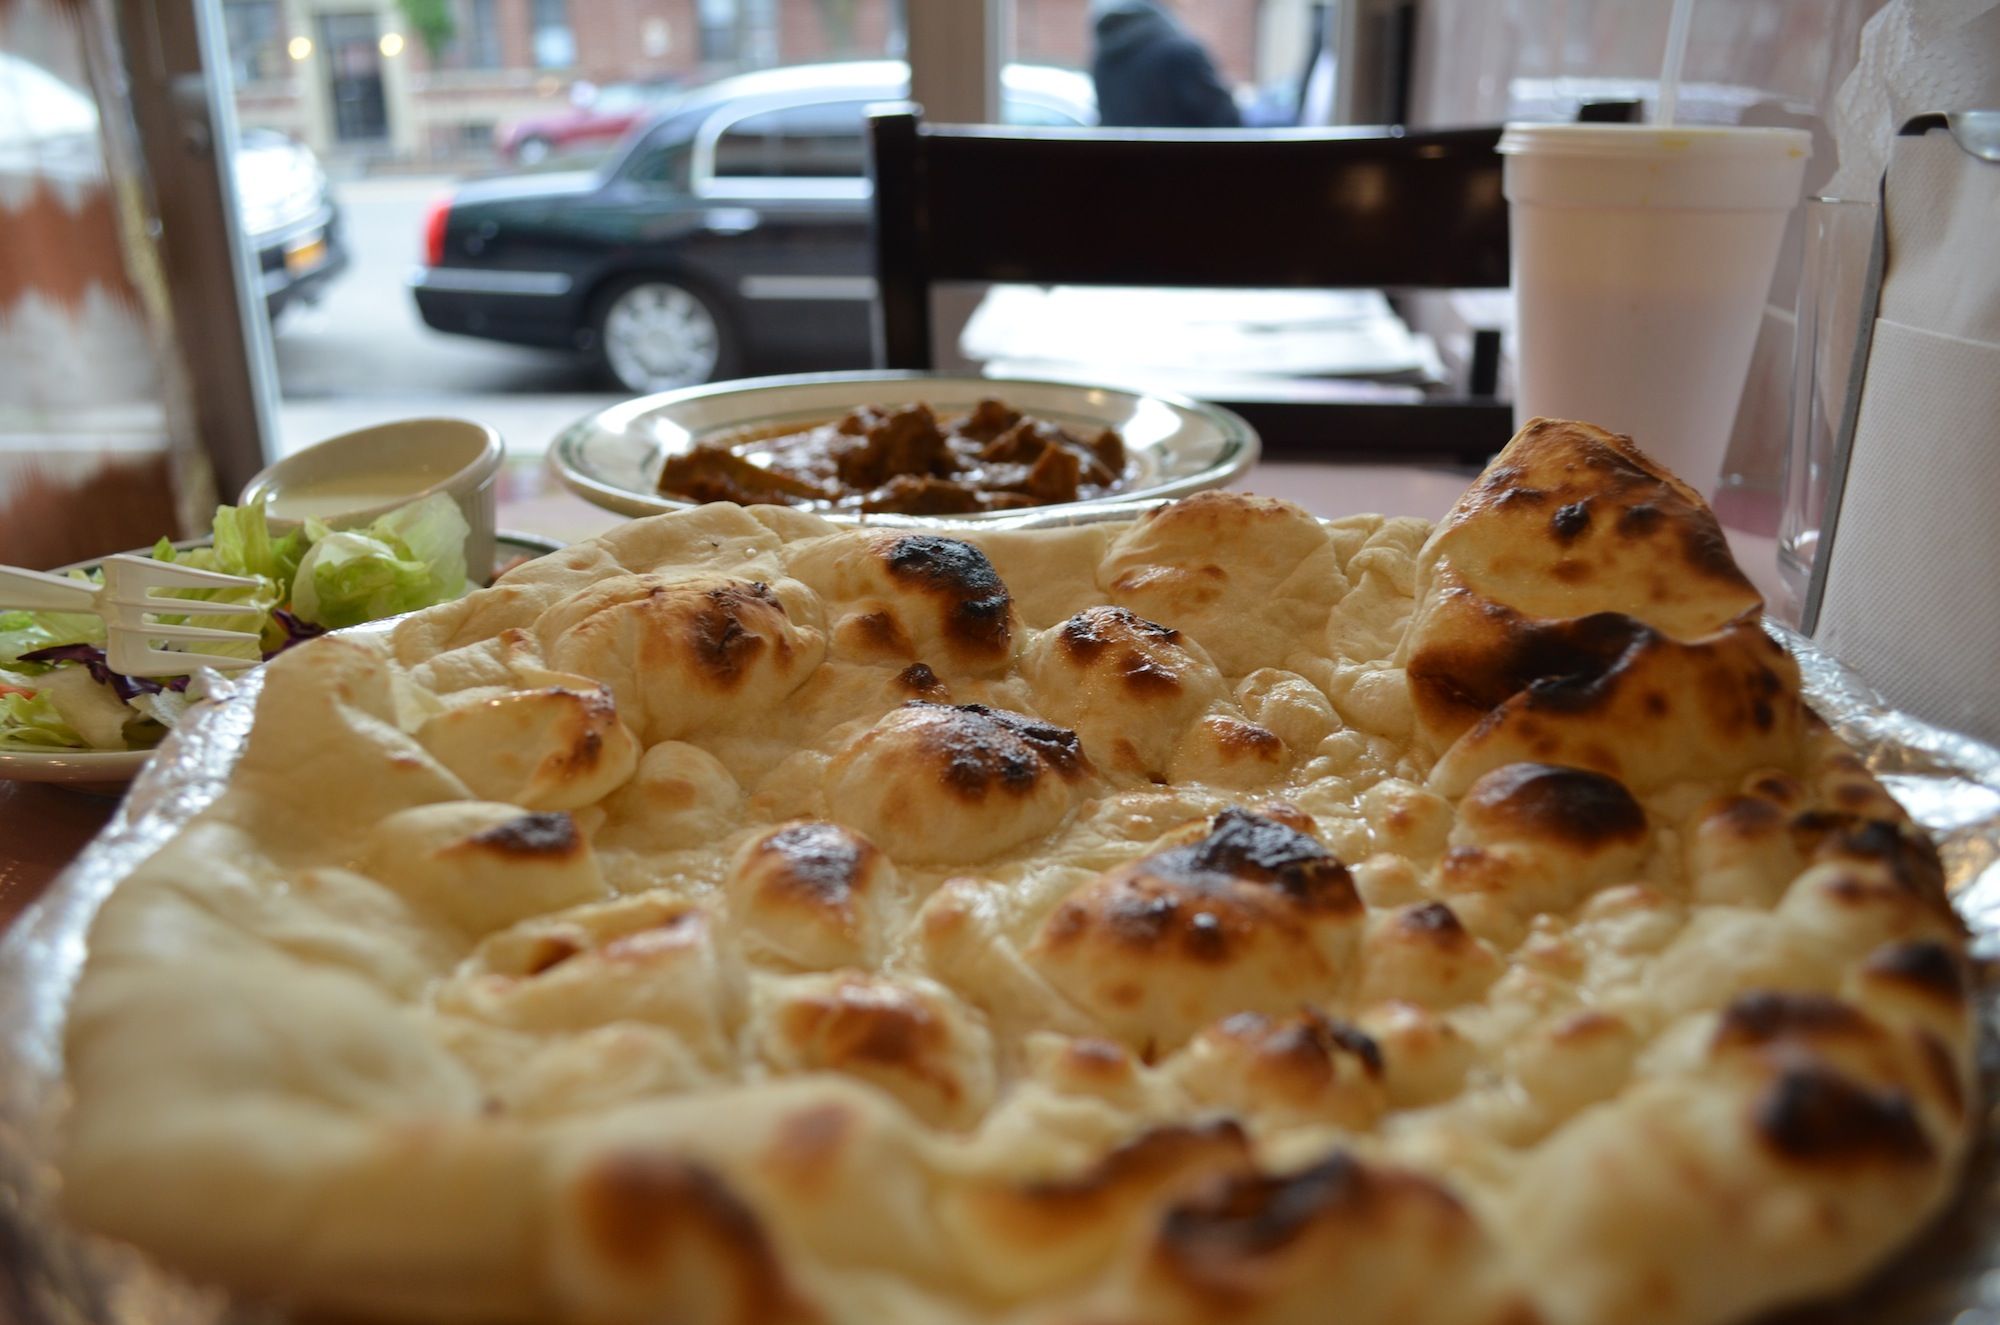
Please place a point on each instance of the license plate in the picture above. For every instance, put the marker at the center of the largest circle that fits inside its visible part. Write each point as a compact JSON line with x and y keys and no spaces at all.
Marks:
{"x":302,"y":255}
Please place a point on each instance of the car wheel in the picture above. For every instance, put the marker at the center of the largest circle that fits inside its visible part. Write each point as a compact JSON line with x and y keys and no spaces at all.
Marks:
{"x":532,"y":151}
{"x":654,"y":334}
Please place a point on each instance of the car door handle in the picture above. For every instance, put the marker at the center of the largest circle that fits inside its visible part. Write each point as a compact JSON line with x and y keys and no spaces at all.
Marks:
{"x":731,"y":220}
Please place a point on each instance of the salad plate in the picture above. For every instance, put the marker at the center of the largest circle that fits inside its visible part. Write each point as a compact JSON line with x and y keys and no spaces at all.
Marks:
{"x":112,"y":770}
{"x":86,"y":768}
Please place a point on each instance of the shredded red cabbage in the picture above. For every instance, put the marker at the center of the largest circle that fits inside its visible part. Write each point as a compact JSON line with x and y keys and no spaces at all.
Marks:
{"x":126,"y":687}
{"x":297,"y":631}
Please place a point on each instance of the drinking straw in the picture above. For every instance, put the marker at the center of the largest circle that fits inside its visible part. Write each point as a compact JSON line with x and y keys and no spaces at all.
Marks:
{"x":1670,"y":67}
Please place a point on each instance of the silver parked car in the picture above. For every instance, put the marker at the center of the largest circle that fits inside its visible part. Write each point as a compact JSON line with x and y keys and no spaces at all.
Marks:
{"x":49,"y":129}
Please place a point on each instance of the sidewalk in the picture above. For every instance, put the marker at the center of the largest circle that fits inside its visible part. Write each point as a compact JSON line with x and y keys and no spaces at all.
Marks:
{"x":528,"y":423}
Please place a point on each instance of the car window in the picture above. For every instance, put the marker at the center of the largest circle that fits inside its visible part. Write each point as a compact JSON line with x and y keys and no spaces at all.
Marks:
{"x":662,"y":157}
{"x":820,"y":141}
{"x":1021,"y":111}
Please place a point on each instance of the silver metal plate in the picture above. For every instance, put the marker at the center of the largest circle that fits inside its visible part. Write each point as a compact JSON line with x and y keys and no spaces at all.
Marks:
{"x":613,"y":458}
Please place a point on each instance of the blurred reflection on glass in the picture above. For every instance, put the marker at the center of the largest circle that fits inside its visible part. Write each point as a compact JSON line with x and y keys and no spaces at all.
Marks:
{"x":87,"y":463}
{"x":1839,"y":233}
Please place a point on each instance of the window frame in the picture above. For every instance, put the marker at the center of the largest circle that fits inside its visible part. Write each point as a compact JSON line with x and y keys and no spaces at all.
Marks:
{"x":621,"y":171}
{"x":859,"y":140}
{"x":706,"y":183}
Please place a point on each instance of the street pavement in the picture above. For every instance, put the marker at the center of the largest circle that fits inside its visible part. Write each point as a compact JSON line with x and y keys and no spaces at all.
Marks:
{"x":365,"y":338}
{"x":363,"y":356}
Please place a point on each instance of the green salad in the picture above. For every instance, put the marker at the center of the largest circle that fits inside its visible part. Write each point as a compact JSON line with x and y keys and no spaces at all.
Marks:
{"x":58,"y":692}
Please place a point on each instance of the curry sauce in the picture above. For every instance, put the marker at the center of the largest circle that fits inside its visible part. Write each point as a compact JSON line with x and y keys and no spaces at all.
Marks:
{"x":905,"y":459}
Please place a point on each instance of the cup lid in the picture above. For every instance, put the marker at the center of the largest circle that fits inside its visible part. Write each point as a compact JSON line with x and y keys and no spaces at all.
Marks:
{"x":1652,"y":140}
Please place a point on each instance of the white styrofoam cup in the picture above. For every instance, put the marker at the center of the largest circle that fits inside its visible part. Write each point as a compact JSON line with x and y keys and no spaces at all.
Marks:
{"x":1642,"y":255}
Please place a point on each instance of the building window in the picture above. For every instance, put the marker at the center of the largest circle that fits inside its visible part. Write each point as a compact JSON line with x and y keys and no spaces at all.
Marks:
{"x":256,"y":55}
{"x":475,"y":39}
{"x":718,"y":31}
{"x":555,"y":44}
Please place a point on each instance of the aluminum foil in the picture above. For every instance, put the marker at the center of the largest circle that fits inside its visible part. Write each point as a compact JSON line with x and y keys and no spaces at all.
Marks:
{"x":52,"y":1275}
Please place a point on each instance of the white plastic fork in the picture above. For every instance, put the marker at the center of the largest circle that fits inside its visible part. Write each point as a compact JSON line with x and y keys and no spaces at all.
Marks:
{"x":125,"y":600}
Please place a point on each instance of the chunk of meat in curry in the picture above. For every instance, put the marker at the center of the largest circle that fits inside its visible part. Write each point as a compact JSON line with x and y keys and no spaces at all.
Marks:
{"x":903,"y":458}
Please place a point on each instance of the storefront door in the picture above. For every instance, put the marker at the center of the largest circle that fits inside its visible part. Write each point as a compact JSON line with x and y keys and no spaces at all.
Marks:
{"x":354,"y":73}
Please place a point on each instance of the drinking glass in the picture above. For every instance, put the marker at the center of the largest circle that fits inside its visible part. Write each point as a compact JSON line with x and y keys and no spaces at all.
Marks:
{"x":1839,"y":235}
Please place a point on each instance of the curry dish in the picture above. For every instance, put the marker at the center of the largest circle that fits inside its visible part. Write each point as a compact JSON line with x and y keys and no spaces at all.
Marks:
{"x":904,"y":458}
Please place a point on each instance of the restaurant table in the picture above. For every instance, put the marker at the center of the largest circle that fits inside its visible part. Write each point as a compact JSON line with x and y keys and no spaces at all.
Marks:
{"x":42,"y":827}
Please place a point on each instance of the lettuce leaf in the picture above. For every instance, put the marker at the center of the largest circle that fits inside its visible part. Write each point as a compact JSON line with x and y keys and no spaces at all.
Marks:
{"x":24,"y":632}
{"x":86,"y":706}
{"x":30,"y":722}
{"x":164,"y":707}
{"x":410,"y":558}
{"x":242,"y":545}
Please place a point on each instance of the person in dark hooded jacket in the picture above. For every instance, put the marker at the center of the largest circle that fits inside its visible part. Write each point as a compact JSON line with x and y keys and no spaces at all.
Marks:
{"x":1151,"y":73}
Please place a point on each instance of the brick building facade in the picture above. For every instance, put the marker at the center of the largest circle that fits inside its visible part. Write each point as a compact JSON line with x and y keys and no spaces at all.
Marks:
{"x":351,"y":78}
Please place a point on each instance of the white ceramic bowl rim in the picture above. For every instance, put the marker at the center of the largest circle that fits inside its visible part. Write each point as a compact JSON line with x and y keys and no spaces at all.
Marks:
{"x":469,"y":476}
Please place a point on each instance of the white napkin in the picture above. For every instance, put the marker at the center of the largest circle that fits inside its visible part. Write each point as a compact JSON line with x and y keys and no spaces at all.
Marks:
{"x":1911,"y":595}
{"x":1916,"y":57}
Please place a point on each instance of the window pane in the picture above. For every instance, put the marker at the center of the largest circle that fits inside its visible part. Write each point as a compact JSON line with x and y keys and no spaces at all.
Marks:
{"x":1031,"y":114}
{"x":662,"y":159}
{"x":804,"y":142}
{"x":718,"y":30}
{"x":1217,"y":64}
{"x":555,"y":44}
{"x":251,"y":30}
{"x":1176,"y":65}
{"x":478,"y":37}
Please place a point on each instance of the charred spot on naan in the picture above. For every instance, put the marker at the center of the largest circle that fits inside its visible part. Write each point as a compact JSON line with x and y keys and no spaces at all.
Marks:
{"x":1740,"y":710}
{"x":974,"y":609}
{"x":954,"y":783}
{"x":1924,"y":966}
{"x":1570,"y":519}
{"x":811,"y":894}
{"x":1131,"y":687}
{"x":652,"y":1219}
{"x":534,"y":835}
{"x":1815,"y":1115}
{"x":1580,"y":808}
{"x":1252,"y":917}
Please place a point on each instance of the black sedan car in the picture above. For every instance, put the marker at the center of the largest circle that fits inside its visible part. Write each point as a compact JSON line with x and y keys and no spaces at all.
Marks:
{"x":728,"y":235}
